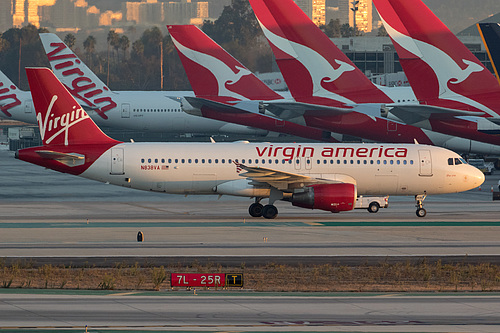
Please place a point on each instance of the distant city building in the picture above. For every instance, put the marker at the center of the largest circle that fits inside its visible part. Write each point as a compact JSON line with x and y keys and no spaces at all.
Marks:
{"x":337,"y":10}
{"x":364,"y":16}
{"x":6,"y":15}
{"x":149,"y":12}
{"x":318,"y":12}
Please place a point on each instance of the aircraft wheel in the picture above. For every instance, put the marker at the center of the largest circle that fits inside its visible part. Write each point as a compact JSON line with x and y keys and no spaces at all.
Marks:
{"x":255,"y":209}
{"x":373,"y":207}
{"x":270,"y":211}
{"x":421,"y":212}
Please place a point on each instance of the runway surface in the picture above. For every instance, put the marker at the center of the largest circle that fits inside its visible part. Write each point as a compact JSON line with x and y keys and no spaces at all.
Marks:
{"x":46,"y":213}
{"x":51,"y":216}
{"x":253,"y":312}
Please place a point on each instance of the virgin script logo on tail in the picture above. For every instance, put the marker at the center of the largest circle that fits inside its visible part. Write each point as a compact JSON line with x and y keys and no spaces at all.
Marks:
{"x":12,"y":99}
{"x":222,"y":72}
{"x":82,"y":87}
{"x":55,"y":126}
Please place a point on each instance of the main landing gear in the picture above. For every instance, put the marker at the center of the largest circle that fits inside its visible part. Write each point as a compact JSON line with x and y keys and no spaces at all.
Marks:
{"x":257,"y":210}
{"x":421,"y":212}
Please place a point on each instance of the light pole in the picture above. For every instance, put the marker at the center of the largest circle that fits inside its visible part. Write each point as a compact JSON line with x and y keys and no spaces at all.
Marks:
{"x":354,"y":11}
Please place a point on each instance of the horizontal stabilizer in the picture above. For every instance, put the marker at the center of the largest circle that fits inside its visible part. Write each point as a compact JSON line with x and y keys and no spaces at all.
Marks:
{"x":69,"y":159}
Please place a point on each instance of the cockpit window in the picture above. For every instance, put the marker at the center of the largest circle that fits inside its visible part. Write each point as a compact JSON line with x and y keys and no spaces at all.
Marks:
{"x":456,"y":161}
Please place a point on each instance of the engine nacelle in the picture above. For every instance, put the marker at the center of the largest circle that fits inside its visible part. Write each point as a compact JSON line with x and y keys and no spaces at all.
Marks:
{"x":330,"y":197}
{"x":240,"y":187}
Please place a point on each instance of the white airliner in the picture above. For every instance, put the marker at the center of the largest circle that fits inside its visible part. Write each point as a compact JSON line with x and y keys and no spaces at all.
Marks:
{"x":316,"y":176}
{"x":139,"y":110}
{"x":14,"y":103}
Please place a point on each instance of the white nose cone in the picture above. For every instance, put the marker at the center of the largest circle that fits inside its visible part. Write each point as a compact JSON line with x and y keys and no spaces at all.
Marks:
{"x":475,"y":178}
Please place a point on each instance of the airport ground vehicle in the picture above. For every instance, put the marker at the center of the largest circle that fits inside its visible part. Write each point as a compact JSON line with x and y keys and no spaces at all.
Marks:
{"x":372,"y":204}
{"x":486,"y":167}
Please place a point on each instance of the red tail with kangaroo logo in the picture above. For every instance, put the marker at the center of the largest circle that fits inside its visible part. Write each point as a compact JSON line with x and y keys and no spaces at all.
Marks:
{"x":61,"y":119}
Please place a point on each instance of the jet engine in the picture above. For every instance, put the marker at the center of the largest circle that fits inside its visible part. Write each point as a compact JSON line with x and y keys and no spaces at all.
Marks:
{"x":330,"y":197}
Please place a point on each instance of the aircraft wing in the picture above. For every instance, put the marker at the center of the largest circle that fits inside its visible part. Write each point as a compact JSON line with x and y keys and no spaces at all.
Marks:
{"x":283,"y":180}
{"x":414,"y":113}
{"x":289,"y":110}
{"x":70,"y":159}
{"x":249,"y":113}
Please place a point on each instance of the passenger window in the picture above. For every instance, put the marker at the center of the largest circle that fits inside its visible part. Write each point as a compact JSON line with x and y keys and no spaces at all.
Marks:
{"x":223,"y":161}
{"x":398,"y":162}
{"x":216,"y":161}
{"x":156,"y":160}
{"x":392,"y":162}
{"x":202,"y":160}
{"x":404,"y":162}
{"x":196,"y":161}
{"x":359,"y":162}
{"x":229,"y":161}
{"x":242,"y":161}
{"x":210,"y":160}
{"x":183,"y":160}
{"x":142,"y":160}
{"x":411,"y":162}
{"x":176,"y":160}
{"x":189,"y":161}
{"x":365,"y":162}
{"x":149,"y":160}
{"x":162,"y":160}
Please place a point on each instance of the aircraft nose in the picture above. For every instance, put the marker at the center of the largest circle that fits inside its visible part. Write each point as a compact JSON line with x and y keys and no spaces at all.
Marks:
{"x":477,"y":177}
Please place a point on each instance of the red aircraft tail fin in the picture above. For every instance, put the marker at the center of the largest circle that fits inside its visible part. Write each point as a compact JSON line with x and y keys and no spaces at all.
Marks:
{"x":61,"y":120}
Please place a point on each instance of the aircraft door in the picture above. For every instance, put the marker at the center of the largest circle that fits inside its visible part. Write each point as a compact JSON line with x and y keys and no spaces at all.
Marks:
{"x":28,"y":106}
{"x":117,"y":161}
{"x":125,"y":110}
{"x":425,"y":162}
{"x":392,"y":126}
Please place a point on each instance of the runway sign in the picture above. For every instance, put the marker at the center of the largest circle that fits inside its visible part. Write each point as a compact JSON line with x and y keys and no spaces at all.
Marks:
{"x":206,"y":280}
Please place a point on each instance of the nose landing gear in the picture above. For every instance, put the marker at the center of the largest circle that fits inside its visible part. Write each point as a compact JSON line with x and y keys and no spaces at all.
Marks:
{"x":421,"y":212}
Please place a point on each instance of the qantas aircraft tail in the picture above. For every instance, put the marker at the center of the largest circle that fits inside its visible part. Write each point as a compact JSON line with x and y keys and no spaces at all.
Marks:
{"x":213,"y":73}
{"x":490,"y":33}
{"x":62,"y":121}
{"x":440,"y":69}
{"x":313,"y":67}
{"x":80,"y":81}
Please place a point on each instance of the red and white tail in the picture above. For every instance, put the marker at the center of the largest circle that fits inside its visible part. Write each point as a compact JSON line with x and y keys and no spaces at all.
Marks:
{"x":213,"y":73}
{"x":8,"y":95}
{"x":314,"y":69}
{"x":440,"y":69}
{"x":61,"y":119}
{"x":77,"y":77}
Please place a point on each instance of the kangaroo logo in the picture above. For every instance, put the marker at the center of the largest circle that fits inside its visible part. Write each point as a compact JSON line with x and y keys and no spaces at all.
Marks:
{"x":225,"y":76}
{"x":11,"y":99}
{"x":81,"y":87}
{"x":447,"y":71}
{"x":60,"y":124}
{"x":320,"y":70}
